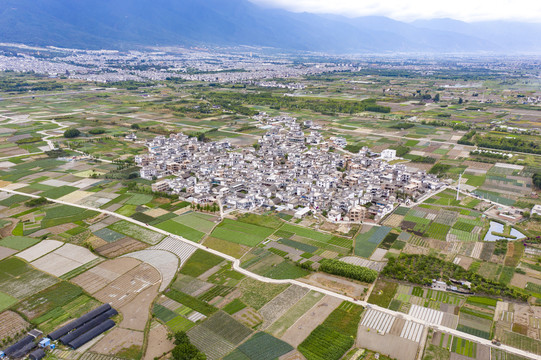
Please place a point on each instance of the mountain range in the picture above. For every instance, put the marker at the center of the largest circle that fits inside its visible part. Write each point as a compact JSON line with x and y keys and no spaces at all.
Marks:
{"x":121,"y":24}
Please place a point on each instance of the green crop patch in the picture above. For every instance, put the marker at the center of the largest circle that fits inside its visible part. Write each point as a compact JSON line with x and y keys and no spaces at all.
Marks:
{"x":256,"y":294}
{"x":19,"y":280}
{"x":163,"y":313}
{"x":199,"y":222}
{"x":58,"y":192}
{"x":60,"y":315}
{"x":261,"y":346}
{"x":307,"y":233}
{"x":241,"y":233}
{"x":298,"y":245}
{"x":6,"y":301}
{"x":191,"y":302}
{"x":464,"y":347}
{"x":199,"y":262}
{"x":367,"y":242}
{"x":286,"y":270}
{"x":269,"y":221}
{"x":18,"y":242}
{"x":179,"y":323}
{"x":14,"y":199}
{"x":234,"y":307}
{"x":57,"y":295}
{"x":325,"y":343}
{"x":181,"y":230}
{"x":139,"y":199}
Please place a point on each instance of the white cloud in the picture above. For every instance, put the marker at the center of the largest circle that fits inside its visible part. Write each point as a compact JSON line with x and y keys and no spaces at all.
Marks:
{"x":409,"y":10}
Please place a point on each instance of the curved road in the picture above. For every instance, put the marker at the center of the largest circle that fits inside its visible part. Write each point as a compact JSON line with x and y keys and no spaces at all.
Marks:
{"x":237,"y":267}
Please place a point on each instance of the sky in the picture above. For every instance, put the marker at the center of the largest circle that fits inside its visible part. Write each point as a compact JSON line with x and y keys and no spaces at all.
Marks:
{"x":410,"y":10}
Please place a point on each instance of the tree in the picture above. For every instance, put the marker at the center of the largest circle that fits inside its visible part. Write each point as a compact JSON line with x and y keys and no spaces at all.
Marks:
{"x":536,"y":178}
{"x":71,"y":133}
{"x":460,"y":101}
{"x":135,"y":126}
{"x":184,"y":349}
{"x":436,"y":97}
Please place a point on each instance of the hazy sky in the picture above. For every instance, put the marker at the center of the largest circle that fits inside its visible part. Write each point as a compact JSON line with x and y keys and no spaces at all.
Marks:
{"x":409,"y":10}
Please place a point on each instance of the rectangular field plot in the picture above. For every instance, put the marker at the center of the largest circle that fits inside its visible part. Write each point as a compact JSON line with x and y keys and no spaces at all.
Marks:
{"x":137,"y":232}
{"x":219,"y":335}
{"x":307,"y":233}
{"x":425,"y":314}
{"x":280,"y":304}
{"x":261,"y":346}
{"x":279,"y":327}
{"x":464,"y":347}
{"x":200,"y":222}
{"x":179,"y":229}
{"x":379,"y":321}
{"x":18,"y":242}
{"x":412,"y":331}
{"x":65,"y":259}
{"x":366,"y":243}
{"x":19,"y":280}
{"x":6,"y":301}
{"x":36,"y":251}
{"x":241,"y":233}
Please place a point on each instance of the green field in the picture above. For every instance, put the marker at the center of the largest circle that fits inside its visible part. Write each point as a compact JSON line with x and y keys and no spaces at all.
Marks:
{"x":241,"y":233}
{"x":464,"y":347}
{"x":6,"y":301}
{"x":176,"y":228}
{"x":286,"y":270}
{"x":20,"y":280}
{"x":307,"y":233}
{"x":139,"y":199}
{"x":437,"y":231}
{"x":197,"y":221}
{"x":200,"y":262}
{"x":179,"y":323}
{"x":256,"y":294}
{"x":55,"y":296}
{"x":234,"y":307}
{"x":261,"y":346}
{"x":366,"y":243}
{"x":58,"y":192}
{"x":18,"y":242}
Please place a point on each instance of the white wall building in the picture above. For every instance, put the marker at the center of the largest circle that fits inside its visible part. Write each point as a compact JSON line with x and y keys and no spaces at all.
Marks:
{"x":388,"y":154}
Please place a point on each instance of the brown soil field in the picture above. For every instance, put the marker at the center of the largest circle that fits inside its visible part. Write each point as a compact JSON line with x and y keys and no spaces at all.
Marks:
{"x":135,"y":313}
{"x":391,"y":345}
{"x":335,"y":283}
{"x":125,"y":288}
{"x":5,"y":252}
{"x":11,"y":324}
{"x":106,"y":272}
{"x":310,"y":320}
{"x":157,"y":342}
{"x":60,"y":228}
{"x":117,"y":340}
{"x":120,"y":247}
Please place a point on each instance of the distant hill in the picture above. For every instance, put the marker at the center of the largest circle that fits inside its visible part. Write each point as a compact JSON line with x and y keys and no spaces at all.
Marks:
{"x":129,"y":23}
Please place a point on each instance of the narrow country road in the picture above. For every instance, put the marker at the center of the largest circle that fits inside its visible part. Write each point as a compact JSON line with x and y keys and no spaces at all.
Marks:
{"x":237,"y":267}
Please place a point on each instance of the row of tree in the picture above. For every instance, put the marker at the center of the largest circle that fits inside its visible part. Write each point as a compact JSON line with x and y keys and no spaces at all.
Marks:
{"x":355,"y":272}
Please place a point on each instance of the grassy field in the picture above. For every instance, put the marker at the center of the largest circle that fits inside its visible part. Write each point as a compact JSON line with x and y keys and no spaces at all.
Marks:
{"x":58,"y":192}
{"x":307,"y":233}
{"x":286,"y":270}
{"x":234,"y":307}
{"x":191,"y":302}
{"x":437,"y":231}
{"x":176,"y":228}
{"x":256,"y":294}
{"x":139,"y":199}
{"x":269,"y":221}
{"x":197,"y":221}
{"x":241,"y":233}
{"x":18,"y":242}
{"x":6,"y":301}
{"x":200,"y":262}
{"x":383,"y":293}
{"x":226,"y":247}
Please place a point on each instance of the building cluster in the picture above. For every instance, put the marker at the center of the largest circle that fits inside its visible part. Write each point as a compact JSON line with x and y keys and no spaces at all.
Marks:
{"x":291,"y":168}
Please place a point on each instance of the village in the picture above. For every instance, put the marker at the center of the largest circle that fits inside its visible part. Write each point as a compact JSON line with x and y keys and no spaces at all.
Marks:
{"x":285,"y":170}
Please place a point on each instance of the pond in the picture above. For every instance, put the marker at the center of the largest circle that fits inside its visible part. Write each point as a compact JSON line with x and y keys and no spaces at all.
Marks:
{"x":499,"y":228}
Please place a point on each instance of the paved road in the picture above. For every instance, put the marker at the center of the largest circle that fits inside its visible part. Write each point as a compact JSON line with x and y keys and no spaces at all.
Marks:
{"x":237,"y":267}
